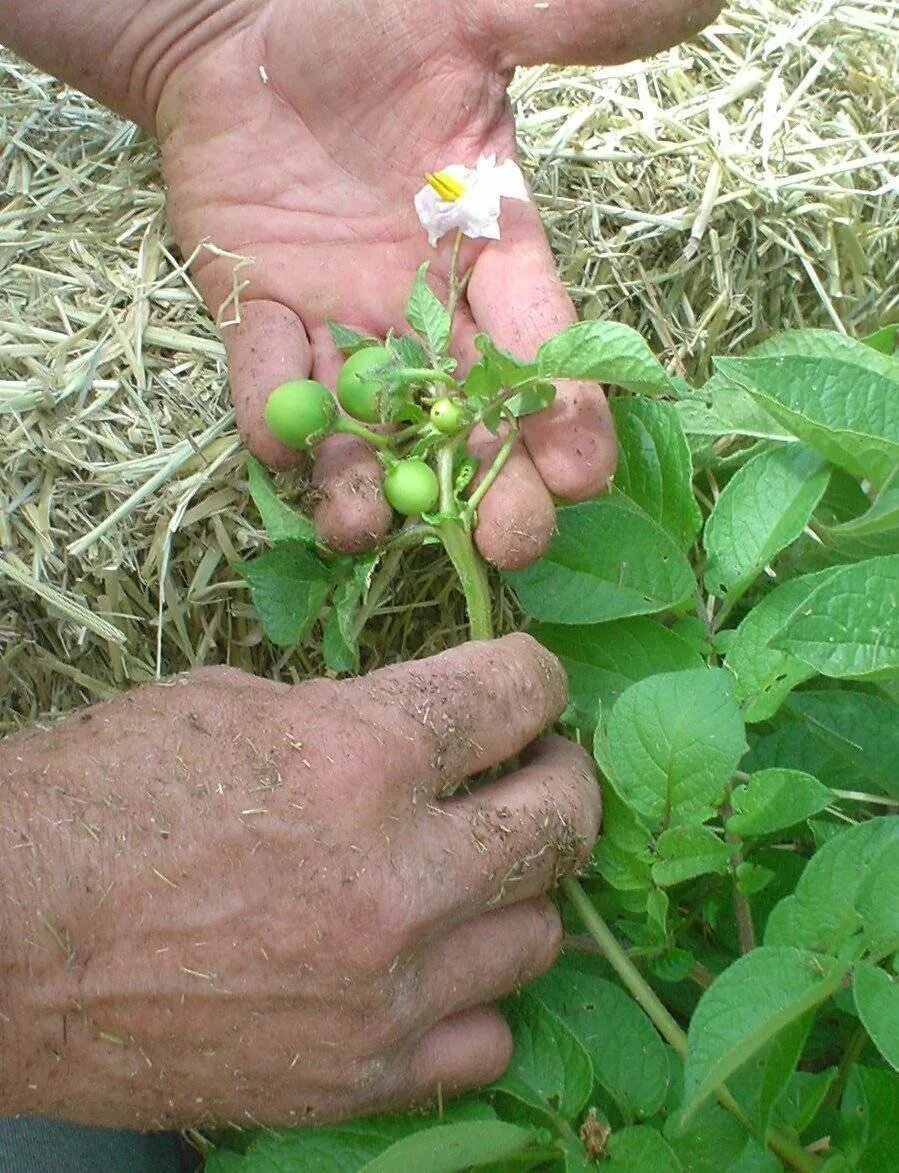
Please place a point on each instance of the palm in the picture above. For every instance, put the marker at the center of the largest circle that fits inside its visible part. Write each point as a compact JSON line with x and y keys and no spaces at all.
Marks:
{"x":299,"y":141}
{"x":311,"y":171}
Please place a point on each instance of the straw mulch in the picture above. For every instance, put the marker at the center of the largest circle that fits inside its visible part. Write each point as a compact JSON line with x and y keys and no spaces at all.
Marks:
{"x":734,"y":186}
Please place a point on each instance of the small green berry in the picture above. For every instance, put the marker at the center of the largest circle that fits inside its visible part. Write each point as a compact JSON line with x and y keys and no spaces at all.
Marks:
{"x":358,"y":389}
{"x":411,"y":486}
{"x":300,"y":413}
{"x":447,"y":415}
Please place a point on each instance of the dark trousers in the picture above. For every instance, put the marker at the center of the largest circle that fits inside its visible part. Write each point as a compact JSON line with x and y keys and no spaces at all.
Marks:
{"x":32,"y":1145}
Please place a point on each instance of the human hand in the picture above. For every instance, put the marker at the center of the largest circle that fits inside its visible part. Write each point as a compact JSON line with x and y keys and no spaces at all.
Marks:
{"x":298,"y":137}
{"x":230,"y":899}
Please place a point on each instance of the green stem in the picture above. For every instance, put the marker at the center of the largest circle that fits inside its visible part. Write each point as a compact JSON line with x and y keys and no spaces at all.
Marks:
{"x":493,"y":472}
{"x":630,"y":976}
{"x":423,"y":375}
{"x":344,"y":424}
{"x":472,"y":576}
{"x":789,"y":1151}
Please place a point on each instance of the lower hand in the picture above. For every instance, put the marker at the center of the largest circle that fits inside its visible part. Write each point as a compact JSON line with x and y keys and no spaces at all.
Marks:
{"x":298,"y":137}
{"x":230,"y":899}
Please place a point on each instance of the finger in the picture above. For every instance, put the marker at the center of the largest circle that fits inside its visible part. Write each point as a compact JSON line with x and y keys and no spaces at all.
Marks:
{"x":516,"y":296}
{"x":442,"y":719}
{"x":516,"y":518}
{"x":349,"y":510}
{"x":513,"y":839}
{"x":485,"y":959}
{"x":593,"y":32}
{"x":463,"y":1052}
{"x":265,"y":348}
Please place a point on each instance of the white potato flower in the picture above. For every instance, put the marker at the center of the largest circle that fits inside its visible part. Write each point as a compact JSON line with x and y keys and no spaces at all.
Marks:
{"x":468,"y":198}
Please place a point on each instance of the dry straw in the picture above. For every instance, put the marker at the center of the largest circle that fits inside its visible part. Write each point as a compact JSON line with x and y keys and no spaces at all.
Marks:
{"x":726,"y":189}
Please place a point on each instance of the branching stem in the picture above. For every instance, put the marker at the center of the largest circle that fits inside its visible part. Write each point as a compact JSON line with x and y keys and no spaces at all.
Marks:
{"x":493,"y":472}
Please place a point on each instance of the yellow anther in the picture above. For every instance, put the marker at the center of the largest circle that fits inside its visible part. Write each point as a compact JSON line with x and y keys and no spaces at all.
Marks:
{"x":446,"y":186}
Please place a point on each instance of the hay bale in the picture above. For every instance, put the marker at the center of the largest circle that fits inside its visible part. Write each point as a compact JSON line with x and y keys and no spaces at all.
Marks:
{"x":719,"y":192}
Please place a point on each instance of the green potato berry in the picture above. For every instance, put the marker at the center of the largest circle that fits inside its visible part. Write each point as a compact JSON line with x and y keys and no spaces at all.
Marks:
{"x":447,"y":416}
{"x":300,"y":413}
{"x":411,"y":486}
{"x":358,"y":390}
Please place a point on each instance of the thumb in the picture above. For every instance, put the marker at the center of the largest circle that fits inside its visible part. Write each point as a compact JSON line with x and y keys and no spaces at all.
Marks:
{"x":587,"y":32}
{"x":268,"y":346}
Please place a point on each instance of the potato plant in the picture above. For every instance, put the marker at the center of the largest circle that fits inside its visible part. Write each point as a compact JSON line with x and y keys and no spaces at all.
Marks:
{"x":727,"y":614}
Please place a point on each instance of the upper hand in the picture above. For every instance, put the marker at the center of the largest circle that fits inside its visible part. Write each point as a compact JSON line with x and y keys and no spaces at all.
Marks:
{"x":240,"y":900}
{"x":298,"y":137}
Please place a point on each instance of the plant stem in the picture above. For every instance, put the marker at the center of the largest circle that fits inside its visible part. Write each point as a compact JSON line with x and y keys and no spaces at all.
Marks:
{"x":472,"y":576}
{"x":456,"y":285}
{"x":410,"y":535}
{"x":789,"y":1151}
{"x":630,"y":976}
{"x":424,"y":375}
{"x":344,"y":424}
{"x":493,"y":472}
{"x":742,"y":907}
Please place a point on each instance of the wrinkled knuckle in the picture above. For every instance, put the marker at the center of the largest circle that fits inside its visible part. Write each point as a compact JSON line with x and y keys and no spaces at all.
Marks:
{"x":540,"y":673}
{"x":391,"y":935}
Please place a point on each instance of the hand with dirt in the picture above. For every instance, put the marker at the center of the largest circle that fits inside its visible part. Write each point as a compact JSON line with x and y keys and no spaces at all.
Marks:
{"x":296,"y":132}
{"x":230,"y":899}
{"x":300,"y":138}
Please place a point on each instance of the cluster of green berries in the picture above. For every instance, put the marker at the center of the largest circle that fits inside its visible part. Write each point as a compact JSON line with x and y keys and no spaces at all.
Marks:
{"x":302,"y":412}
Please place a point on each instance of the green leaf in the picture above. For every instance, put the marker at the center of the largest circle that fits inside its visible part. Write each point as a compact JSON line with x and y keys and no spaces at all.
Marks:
{"x":671,"y":743}
{"x":837,"y":395}
{"x":881,"y":517}
{"x":349,"y":341}
{"x":641,"y":1149}
{"x":408,"y":352}
{"x":803,"y":1096}
{"x":607,"y":560}
{"x":536,"y":397}
{"x":550,"y":1070}
{"x":604,"y":659}
{"x":870,"y":1119}
{"x":427,"y":316}
{"x":861,"y":729}
{"x":884,"y":339}
{"x":732,"y":1023}
{"x":849,"y":625}
{"x":766,"y":675}
{"x":629,"y":1058}
{"x":763,"y":508}
{"x":877,"y":902}
{"x":775,"y":799}
{"x":876,"y":996}
{"x":654,"y":466}
{"x":822,"y":913}
{"x":452,"y":1148}
{"x":340,"y":645}
{"x":714,"y":1141}
{"x":341,"y":1148}
{"x":607,"y":352}
{"x":288,"y":585}
{"x":507,"y":370}
{"x":740,"y":413}
{"x":622,"y":853}
{"x":280,"y":521}
{"x":758,"y":1085}
{"x":686,"y":852}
